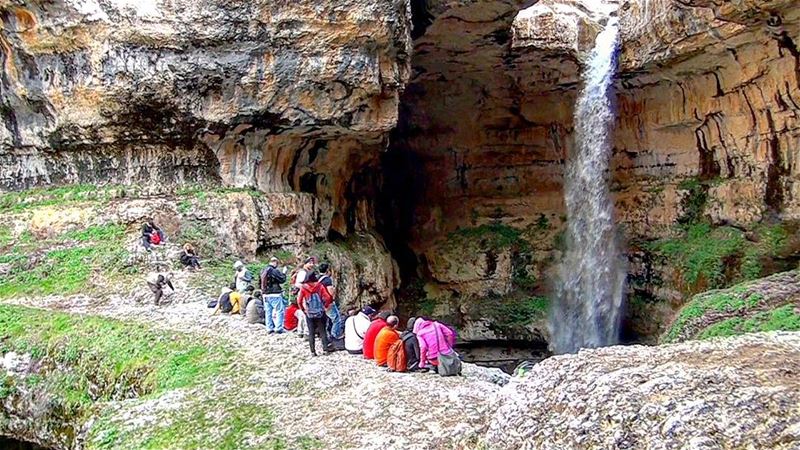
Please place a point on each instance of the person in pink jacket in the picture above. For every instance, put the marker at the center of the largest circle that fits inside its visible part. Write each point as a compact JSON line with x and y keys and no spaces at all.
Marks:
{"x":434,"y":339}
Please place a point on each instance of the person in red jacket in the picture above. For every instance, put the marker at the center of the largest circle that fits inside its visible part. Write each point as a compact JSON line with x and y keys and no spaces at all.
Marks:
{"x":372,"y":332}
{"x":315,"y":312}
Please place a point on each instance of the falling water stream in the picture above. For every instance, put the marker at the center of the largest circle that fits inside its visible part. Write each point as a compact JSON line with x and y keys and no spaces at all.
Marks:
{"x":591,"y":276}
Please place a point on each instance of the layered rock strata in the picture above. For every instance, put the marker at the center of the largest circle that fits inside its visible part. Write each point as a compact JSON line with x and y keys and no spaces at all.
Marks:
{"x":280,"y":96}
{"x":707,"y":126}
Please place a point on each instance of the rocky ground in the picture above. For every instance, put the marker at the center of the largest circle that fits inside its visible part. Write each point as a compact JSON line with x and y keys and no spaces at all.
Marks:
{"x":335,"y":401}
{"x":722,"y":394}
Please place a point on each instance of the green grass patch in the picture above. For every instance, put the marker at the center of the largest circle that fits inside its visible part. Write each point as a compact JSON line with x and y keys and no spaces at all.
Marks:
{"x":495,"y":236}
{"x":701,"y":252}
{"x":114,"y":358}
{"x":61,"y":195}
{"x":66,"y":264}
{"x":784,"y":318}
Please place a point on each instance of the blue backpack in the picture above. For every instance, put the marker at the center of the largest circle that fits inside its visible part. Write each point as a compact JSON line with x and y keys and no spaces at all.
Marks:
{"x":315,"y":309}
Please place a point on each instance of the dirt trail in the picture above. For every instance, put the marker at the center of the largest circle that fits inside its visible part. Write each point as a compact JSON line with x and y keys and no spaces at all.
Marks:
{"x":340,"y":399}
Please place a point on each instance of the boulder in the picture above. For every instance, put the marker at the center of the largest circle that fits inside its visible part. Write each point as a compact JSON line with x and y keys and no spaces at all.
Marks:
{"x":740,"y":392}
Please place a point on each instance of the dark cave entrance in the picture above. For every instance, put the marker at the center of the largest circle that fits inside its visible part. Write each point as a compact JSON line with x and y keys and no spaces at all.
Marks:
{"x":8,"y":443}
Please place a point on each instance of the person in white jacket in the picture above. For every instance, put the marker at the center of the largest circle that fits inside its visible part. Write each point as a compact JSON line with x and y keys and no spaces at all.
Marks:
{"x":355,"y":328}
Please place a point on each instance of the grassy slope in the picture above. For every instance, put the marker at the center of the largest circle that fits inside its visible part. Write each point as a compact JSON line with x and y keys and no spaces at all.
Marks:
{"x":90,"y":362}
{"x":734,"y":311}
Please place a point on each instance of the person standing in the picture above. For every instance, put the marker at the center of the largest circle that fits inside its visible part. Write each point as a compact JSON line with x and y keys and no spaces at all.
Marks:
{"x":242,"y":277}
{"x":335,"y":327}
{"x":303,"y":274}
{"x":313,"y":300}
{"x":272,"y":281}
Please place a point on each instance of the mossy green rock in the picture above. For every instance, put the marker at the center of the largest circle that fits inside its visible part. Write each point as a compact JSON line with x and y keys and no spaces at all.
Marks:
{"x":768,"y":304}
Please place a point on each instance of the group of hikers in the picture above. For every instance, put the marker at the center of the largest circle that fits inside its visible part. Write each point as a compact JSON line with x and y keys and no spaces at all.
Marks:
{"x":312,"y":310}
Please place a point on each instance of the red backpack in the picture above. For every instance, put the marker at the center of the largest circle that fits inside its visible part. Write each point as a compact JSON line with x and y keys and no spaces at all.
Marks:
{"x":155,"y":239}
{"x":396,"y":359}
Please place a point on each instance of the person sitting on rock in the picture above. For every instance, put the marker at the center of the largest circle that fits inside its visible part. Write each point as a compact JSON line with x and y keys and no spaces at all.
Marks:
{"x":151,"y":234}
{"x":386,"y":337}
{"x":189,"y":257}
{"x":230,"y":302}
{"x":335,"y":327}
{"x":254,"y":308}
{"x":157,"y":281}
{"x":411,"y":346}
{"x":355,"y":327}
{"x":372,"y":333}
{"x":272,"y":280}
{"x":313,"y":299}
{"x":295,"y":320}
{"x":434,"y":339}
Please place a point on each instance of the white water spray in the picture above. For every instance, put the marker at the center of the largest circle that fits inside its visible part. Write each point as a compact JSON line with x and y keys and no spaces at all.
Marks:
{"x":589,"y":293}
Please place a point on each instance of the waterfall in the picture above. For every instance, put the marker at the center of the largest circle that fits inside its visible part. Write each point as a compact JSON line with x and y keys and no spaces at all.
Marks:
{"x":591,"y":276}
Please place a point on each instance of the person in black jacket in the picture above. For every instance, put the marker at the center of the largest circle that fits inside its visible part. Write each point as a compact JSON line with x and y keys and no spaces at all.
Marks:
{"x":272,"y":280}
{"x":411,"y":346}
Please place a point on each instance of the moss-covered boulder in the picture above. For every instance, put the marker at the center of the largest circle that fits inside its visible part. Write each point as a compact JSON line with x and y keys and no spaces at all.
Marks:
{"x":768,"y":304}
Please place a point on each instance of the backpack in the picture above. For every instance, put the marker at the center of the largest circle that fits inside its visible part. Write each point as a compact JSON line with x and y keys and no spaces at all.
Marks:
{"x":315,"y":309}
{"x":248,"y":276}
{"x":449,"y":364}
{"x":155,"y":239}
{"x":396,"y":359}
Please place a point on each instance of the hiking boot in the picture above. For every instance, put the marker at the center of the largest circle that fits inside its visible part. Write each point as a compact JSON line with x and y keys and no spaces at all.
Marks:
{"x":270,"y":332}
{"x":314,"y":354}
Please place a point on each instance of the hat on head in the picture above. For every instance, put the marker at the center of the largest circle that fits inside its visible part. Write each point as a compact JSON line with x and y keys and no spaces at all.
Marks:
{"x":311,"y":259}
{"x":238,"y":264}
{"x":368,"y":310}
{"x":273,"y":259}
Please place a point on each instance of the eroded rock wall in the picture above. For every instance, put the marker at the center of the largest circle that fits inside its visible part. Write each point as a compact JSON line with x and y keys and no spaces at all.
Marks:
{"x":707,"y":130}
{"x":283,"y":96}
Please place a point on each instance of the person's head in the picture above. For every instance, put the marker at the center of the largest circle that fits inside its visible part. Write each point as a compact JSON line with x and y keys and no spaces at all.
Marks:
{"x":352,"y":312}
{"x":369,"y":312}
{"x":225,"y":290}
{"x":384,"y":315}
{"x":188,"y":247}
{"x":309,"y":263}
{"x":273,"y":262}
{"x":410,"y":324}
{"x":249,"y":289}
{"x":392,"y":322}
{"x":294,"y":303}
{"x":238,"y":265}
{"x":324,"y":267}
{"x":149,"y":221}
{"x":257,"y":293}
{"x":311,"y":278}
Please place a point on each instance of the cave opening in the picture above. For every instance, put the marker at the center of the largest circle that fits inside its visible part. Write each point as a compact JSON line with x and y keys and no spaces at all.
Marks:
{"x":9,"y":443}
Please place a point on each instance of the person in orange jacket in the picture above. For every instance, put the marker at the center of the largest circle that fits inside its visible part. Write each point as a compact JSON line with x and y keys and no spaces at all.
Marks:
{"x":386,"y":337}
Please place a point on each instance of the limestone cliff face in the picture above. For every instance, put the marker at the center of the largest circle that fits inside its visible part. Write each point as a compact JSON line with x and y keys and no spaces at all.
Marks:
{"x":707,"y":129}
{"x":276,"y":95}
